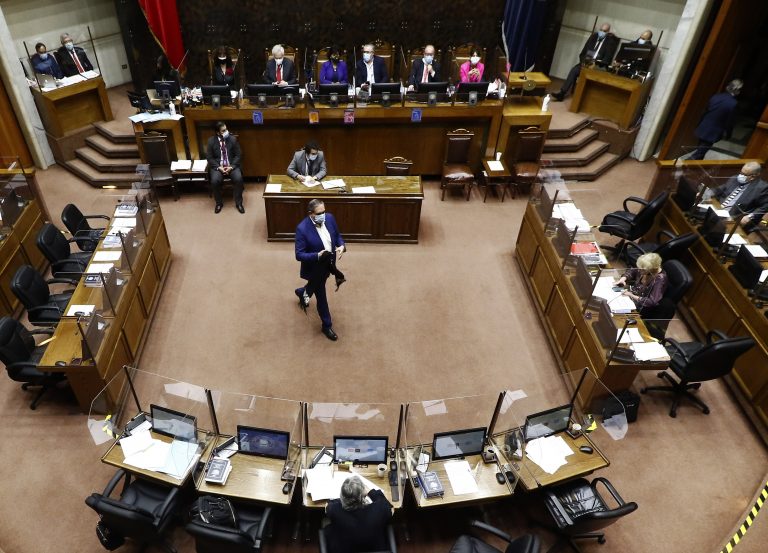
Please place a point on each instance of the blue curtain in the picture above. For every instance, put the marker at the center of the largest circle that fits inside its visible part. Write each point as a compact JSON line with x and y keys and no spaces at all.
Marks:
{"x":521,"y":31}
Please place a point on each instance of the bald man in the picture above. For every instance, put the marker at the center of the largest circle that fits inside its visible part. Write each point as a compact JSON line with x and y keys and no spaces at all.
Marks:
{"x":744,"y":193}
{"x":600,"y":48}
{"x":646,"y":37}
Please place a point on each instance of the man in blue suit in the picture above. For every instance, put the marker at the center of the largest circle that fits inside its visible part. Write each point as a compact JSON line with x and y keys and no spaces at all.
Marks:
{"x":318,"y":246}
{"x":717,"y":121}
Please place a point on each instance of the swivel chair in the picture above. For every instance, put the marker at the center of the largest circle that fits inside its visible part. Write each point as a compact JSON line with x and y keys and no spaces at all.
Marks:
{"x":671,"y":248}
{"x":86,"y":237}
{"x":391,"y":544}
{"x":43,"y":308}
{"x":696,"y":362}
{"x":21,"y":355}
{"x":468,"y":543}
{"x":631,"y":226}
{"x":247,"y":537}
{"x":142,"y":513}
{"x":679,"y":281}
{"x":55,"y":247}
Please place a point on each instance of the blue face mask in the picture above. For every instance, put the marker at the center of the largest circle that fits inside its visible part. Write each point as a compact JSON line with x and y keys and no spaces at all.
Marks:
{"x":69,"y":46}
{"x":367,"y":57}
{"x":319,"y":219}
{"x":312,"y":157}
{"x":44,"y":56}
{"x":601,"y":34}
{"x":428,"y":59}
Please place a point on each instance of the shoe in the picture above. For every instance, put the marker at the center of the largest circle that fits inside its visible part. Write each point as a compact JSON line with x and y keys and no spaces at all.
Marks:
{"x":558,"y":96}
{"x":240,"y":208}
{"x":303,"y":300}
{"x":330,"y":334}
{"x":217,"y":209}
{"x":339,"y":282}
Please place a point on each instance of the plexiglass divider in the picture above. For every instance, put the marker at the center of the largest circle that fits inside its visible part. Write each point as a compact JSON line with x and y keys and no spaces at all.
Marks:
{"x":15,"y":192}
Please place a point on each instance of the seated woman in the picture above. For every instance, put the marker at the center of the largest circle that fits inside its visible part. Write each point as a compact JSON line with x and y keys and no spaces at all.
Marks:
{"x":647,"y":283}
{"x":355,"y":526}
{"x":223,"y":68}
{"x":472,"y":71}
{"x":163,"y":72}
{"x":334,"y":70}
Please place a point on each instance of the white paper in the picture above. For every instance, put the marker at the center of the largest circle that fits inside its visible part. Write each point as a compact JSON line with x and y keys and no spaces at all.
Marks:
{"x":763,"y":275}
{"x":363,"y":190}
{"x":495,"y":166}
{"x":84,"y":309}
{"x":622,"y":305}
{"x":757,"y":251}
{"x":461,"y":478}
{"x":181,"y":165}
{"x":151,"y":458}
{"x":273,"y":188}
{"x":737,"y":240}
{"x":66,"y":81}
{"x":549,"y":453}
{"x":630,"y":336}
{"x":135,"y":443}
{"x":99,"y":268}
{"x":91,"y":74}
{"x":180,"y":456}
{"x":324,"y":482}
{"x":723,"y":213}
{"x":646,"y":351}
{"x":200,"y":165}
{"x":107,"y":256}
{"x":334,"y":183}
{"x":310,"y":183}
{"x":124,"y":222}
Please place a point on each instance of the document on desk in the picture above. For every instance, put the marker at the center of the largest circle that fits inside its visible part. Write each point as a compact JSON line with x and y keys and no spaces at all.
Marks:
{"x":549,"y":453}
{"x":461,"y":478}
{"x":99,"y":267}
{"x":84,"y":310}
{"x":200,"y":165}
{"x":125,"y":222}
{"x":135,"y":443}
{"x":91,"y":74}
{"x":334,"y":183}
{"x":272,"y":188}
{"x":494,"y":165}
{"x":363,"y":190}
{"x":630,"y":336}
{"x":181,"y":165}
{"x":152,"y":458}
{"x":181,"y":456}
{"x":649,"y":351}
{"x":310,"y":183}
{"x":757,"y":251}
{"x":107,"y":256}
{"x":324,"y":482}
{"x":736,"y":240}
{"x":763,"y":275}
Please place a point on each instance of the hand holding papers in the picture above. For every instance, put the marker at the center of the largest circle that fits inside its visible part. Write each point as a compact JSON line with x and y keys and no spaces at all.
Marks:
{"x":324,"y":482}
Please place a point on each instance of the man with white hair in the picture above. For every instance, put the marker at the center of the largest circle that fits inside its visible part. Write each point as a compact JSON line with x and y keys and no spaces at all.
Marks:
{"x":280,"y":70}
{"x":72,"y":59}
{"x":746,"y":193}
{"x":717,"y":121}
{"x":355,"y":526}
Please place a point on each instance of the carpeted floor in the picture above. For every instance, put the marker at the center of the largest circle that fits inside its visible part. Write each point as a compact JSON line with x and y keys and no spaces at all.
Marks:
{"x":447,"y":317}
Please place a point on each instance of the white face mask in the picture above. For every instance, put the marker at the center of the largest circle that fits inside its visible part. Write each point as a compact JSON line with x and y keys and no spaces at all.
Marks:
{"x":742,"y":178}
{"x":312,"y":157}
{"x":225,"y":135}
{"x":641,"y":41}
{"x":44,"y":56}
{"x":69,"y":46}
{"x":367,"y":57}
{"x":474,"y":60}
{"x":223,"y":59}
{"x":428,"y":59}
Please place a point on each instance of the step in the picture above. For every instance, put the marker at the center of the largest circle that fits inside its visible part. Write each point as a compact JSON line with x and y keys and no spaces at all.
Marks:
{"x":119,"y":131}
{"x":105,"y":164}
{"x":565,"y":124}
{"x":592,"y":170}
{"x":99,"y":179}
{"x":579,"y":158}
{"x":110,"y":149}
{"x":571,"y":143}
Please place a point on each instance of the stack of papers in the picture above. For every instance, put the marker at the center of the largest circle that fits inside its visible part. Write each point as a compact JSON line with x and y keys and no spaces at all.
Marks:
{"x":123,"y":222}
{"x":617,"y":302}
{"x":630,"y":336}
{"x":549,"y":453}
{"x":273,"y":188}
{"x":107,"y":256}
{"x":181,"y":165}
{"x":650,"y":351}
{"x":736,"y":240}
{"x":334,"y":183}
{"x":142,"y":451}
{"x":200,"y":165}
{"x":363,"y":190}
{"x":324,"y":482}
{"x":757,"y":251}
{"x":151,"y":117}
{"x":126,"y":210}
{"x":571,"y":216}
{"x":99,"y":268}
{"x":461,"y":478}
{"x":310,"y":182}
{"x":495,"y":165}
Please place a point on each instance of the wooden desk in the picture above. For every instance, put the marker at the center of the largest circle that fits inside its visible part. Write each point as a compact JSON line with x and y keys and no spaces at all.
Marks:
{"x":69,"y":108}
{"x":18,"y":247}
{"x":172,"y":129}
{"x":607,"y":95}
{"x":391,"y":215}
{"x":517,"y":79}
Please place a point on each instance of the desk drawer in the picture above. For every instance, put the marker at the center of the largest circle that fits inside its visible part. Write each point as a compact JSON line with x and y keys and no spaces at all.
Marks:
{"x":161,"y":250}
{"x":148,"y":283}
{"x":135,"y":321}
{"x":559,"y":321}
{"x":526,"y":246}
{"x":542,"y":281}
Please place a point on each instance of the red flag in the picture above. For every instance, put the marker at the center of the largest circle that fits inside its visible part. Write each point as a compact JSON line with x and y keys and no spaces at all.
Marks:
{"x":163,"y":19}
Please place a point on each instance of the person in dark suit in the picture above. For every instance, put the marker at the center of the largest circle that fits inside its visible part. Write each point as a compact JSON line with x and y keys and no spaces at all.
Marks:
{"x":319,"y":246}
{"x":223,"y":154}
{"x":71,"y":58}
{"x":744,"y":193}
{"x":370,"y":69}
{"x":335,"y":69}
{"x":424,"y":69}
{"x":717,"y":121}
{"x":280,"y":70}
{"x":223,"y":68}
{"x":353,"y":525}
{"x":646,"y":37}
{"x":600,"y":48}
{"x":43,"y":62}
{"x":308,"y":163}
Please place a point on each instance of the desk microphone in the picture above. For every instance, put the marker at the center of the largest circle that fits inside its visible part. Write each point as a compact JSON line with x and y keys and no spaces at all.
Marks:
{"x":317,"y":457}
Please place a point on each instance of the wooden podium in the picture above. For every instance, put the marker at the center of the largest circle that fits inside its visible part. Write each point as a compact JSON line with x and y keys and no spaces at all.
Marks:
{"x":604,"y":94}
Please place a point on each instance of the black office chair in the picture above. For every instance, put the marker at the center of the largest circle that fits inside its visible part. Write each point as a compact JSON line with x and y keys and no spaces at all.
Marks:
{"x":668,"y":245}
{"x":468,"y":543}
{"x":252,"y":522}
{"x":55,"y":247}
{"x":21,"y":356}
{"x":632,"y":226}
{"x":392,"y":544}
{"x":142,"y":513}
{"x":679,"y":280}
{"x":657,"y":317}
{"x":86,"y":237}
{"x":43,"y":308}
{"x":579,"y":511}
{"x":696,"y":362}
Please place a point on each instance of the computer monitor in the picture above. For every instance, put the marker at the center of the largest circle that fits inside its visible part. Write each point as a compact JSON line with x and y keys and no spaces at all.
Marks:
{"x":687,"y":190}
{"x":460,"y":443}
{"x":172,"y":87}
{"x":563,"y":239}
{"x":255,"y":89}
{"x":426,"y":88}
{"x":334,"y":88}
{"x":221,"y":89}
{"x":747,"y":269}
{"x":360,"y":449}
{"x":605,"y":327}
{"x":549,"y":422}
{"x":286,"y":90}
{"x":263,"y":442}
{"x":380,"y":88}
{"x":639,"y":55}
{"x":463,"y":90}
{"x":173,"y":424}
{"x":712,"y":229}
{"x":10,"y":207}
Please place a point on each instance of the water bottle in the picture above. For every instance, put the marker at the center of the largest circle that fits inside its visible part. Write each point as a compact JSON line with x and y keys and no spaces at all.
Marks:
{"x":545,"y":103}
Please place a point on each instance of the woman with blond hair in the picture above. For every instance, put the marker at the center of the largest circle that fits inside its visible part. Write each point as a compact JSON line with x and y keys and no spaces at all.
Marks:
{"x":647,"y":283}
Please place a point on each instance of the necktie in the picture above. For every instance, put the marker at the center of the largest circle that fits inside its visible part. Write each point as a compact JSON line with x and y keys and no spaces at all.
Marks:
{"x":279,"y":72}
{"x":77,"y":63}
{"x":224,"y":156}
{"x":425,"y":77}
{"x":733,"y":196}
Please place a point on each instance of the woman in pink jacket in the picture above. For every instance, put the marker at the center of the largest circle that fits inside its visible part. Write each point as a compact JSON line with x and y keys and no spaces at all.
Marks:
{"x":472,"y":71}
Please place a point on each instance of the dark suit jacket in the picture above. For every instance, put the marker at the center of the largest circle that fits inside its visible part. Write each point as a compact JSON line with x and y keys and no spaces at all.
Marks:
{"x":417,"y":71}
{"x":67,"y":64}
{"x":379,"y":71}
{"x":309,"y":244}
{"x":213,"y":152}
{"x":289,"y":72}
{"x":362,"y":529}
{"x":718,"y":118}
{"x":607,"y":50}
{"x":223,"y":77}
{"x":753,"y":200}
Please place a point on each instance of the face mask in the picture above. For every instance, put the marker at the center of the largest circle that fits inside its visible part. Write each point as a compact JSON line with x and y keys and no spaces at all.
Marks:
{"x":44,"y":56}
{"x":223,"y":59}
{"x":312,"y":157}
{"x":279,"y":60}
{"x":319,"y":219}
{"x":641,"y":41}
{"x":601,"y":34}
{"x":428,"y":59}
{"x":474,"y":60}
{"x":742,"y":178}
{"x":334,"y":59}
{"x":225,"y":135}
{"x":69,"y":46}
{"x":367,"y":57}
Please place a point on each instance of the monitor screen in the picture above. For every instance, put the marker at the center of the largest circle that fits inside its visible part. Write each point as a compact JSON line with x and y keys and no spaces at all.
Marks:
{"x":172,"y":87}
{"x":425,"y":88}
{"x":713,"y":228}
{"x":547,"y":423}
{"x":460,"y":443}
{"x":221,"y":89}
{"x":360,"y":449}
{"x":379,"y":88}
{"x":334,"y":88}
{"x":563,"y":239}
{"x":631,"y":51}
{"x":582,"y":281}
{"x":285,"y":90}
{"x":605,"y":327}
{"x":262,"y":442}
{"x":687,"y":190}
{"x":257,"y":88}
{"x":173,"y":424}
{"x":481,"y":88}
{"x":746,"y":268}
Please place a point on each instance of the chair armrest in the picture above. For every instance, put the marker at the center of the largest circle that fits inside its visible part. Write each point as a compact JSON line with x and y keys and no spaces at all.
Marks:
{"x":21,"y":365}
{"x":553,"y":502}
{"x":677,"y":347}
{"x":97,"y":217}
{"x":609,"y":487}
{"x":719,"y":333}
{"x":263,"y":524}
{"x":629,"y":245}
{"x":113,"y":482}
{"x":69,"y":281}
{"x":391,"y":539}
{"x":635,"y":199}
{"x":48,"y":331}
{"x":619,"y":216}
{"x":669,"y":234}
{"x":63,"y":266}
{"x":39,"y":309}
{"x":491,"y":530}
{"x":163,"y":511}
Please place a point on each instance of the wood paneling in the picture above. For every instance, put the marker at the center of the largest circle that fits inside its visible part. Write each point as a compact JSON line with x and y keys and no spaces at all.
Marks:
{"x":12,"y":143}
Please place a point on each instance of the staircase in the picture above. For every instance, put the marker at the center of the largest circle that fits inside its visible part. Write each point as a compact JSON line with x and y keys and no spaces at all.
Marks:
{"x":109,"y":157}
{"x":573,"y":149}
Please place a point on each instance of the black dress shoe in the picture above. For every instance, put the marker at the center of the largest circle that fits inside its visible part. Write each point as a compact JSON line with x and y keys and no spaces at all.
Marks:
{"x":217,"y":209}
{"x":240,"y":208}
{"x":303,"y":301}
{"x":558,"y":96}
{"x":330,"y":334}
{"x":339,"y":282}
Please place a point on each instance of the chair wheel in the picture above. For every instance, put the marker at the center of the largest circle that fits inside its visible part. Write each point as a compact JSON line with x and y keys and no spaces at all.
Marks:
{"x":601,"y":539}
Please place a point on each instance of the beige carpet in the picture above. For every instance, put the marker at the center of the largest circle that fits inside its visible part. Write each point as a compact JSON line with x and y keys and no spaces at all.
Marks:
{"x":449,"y":316}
